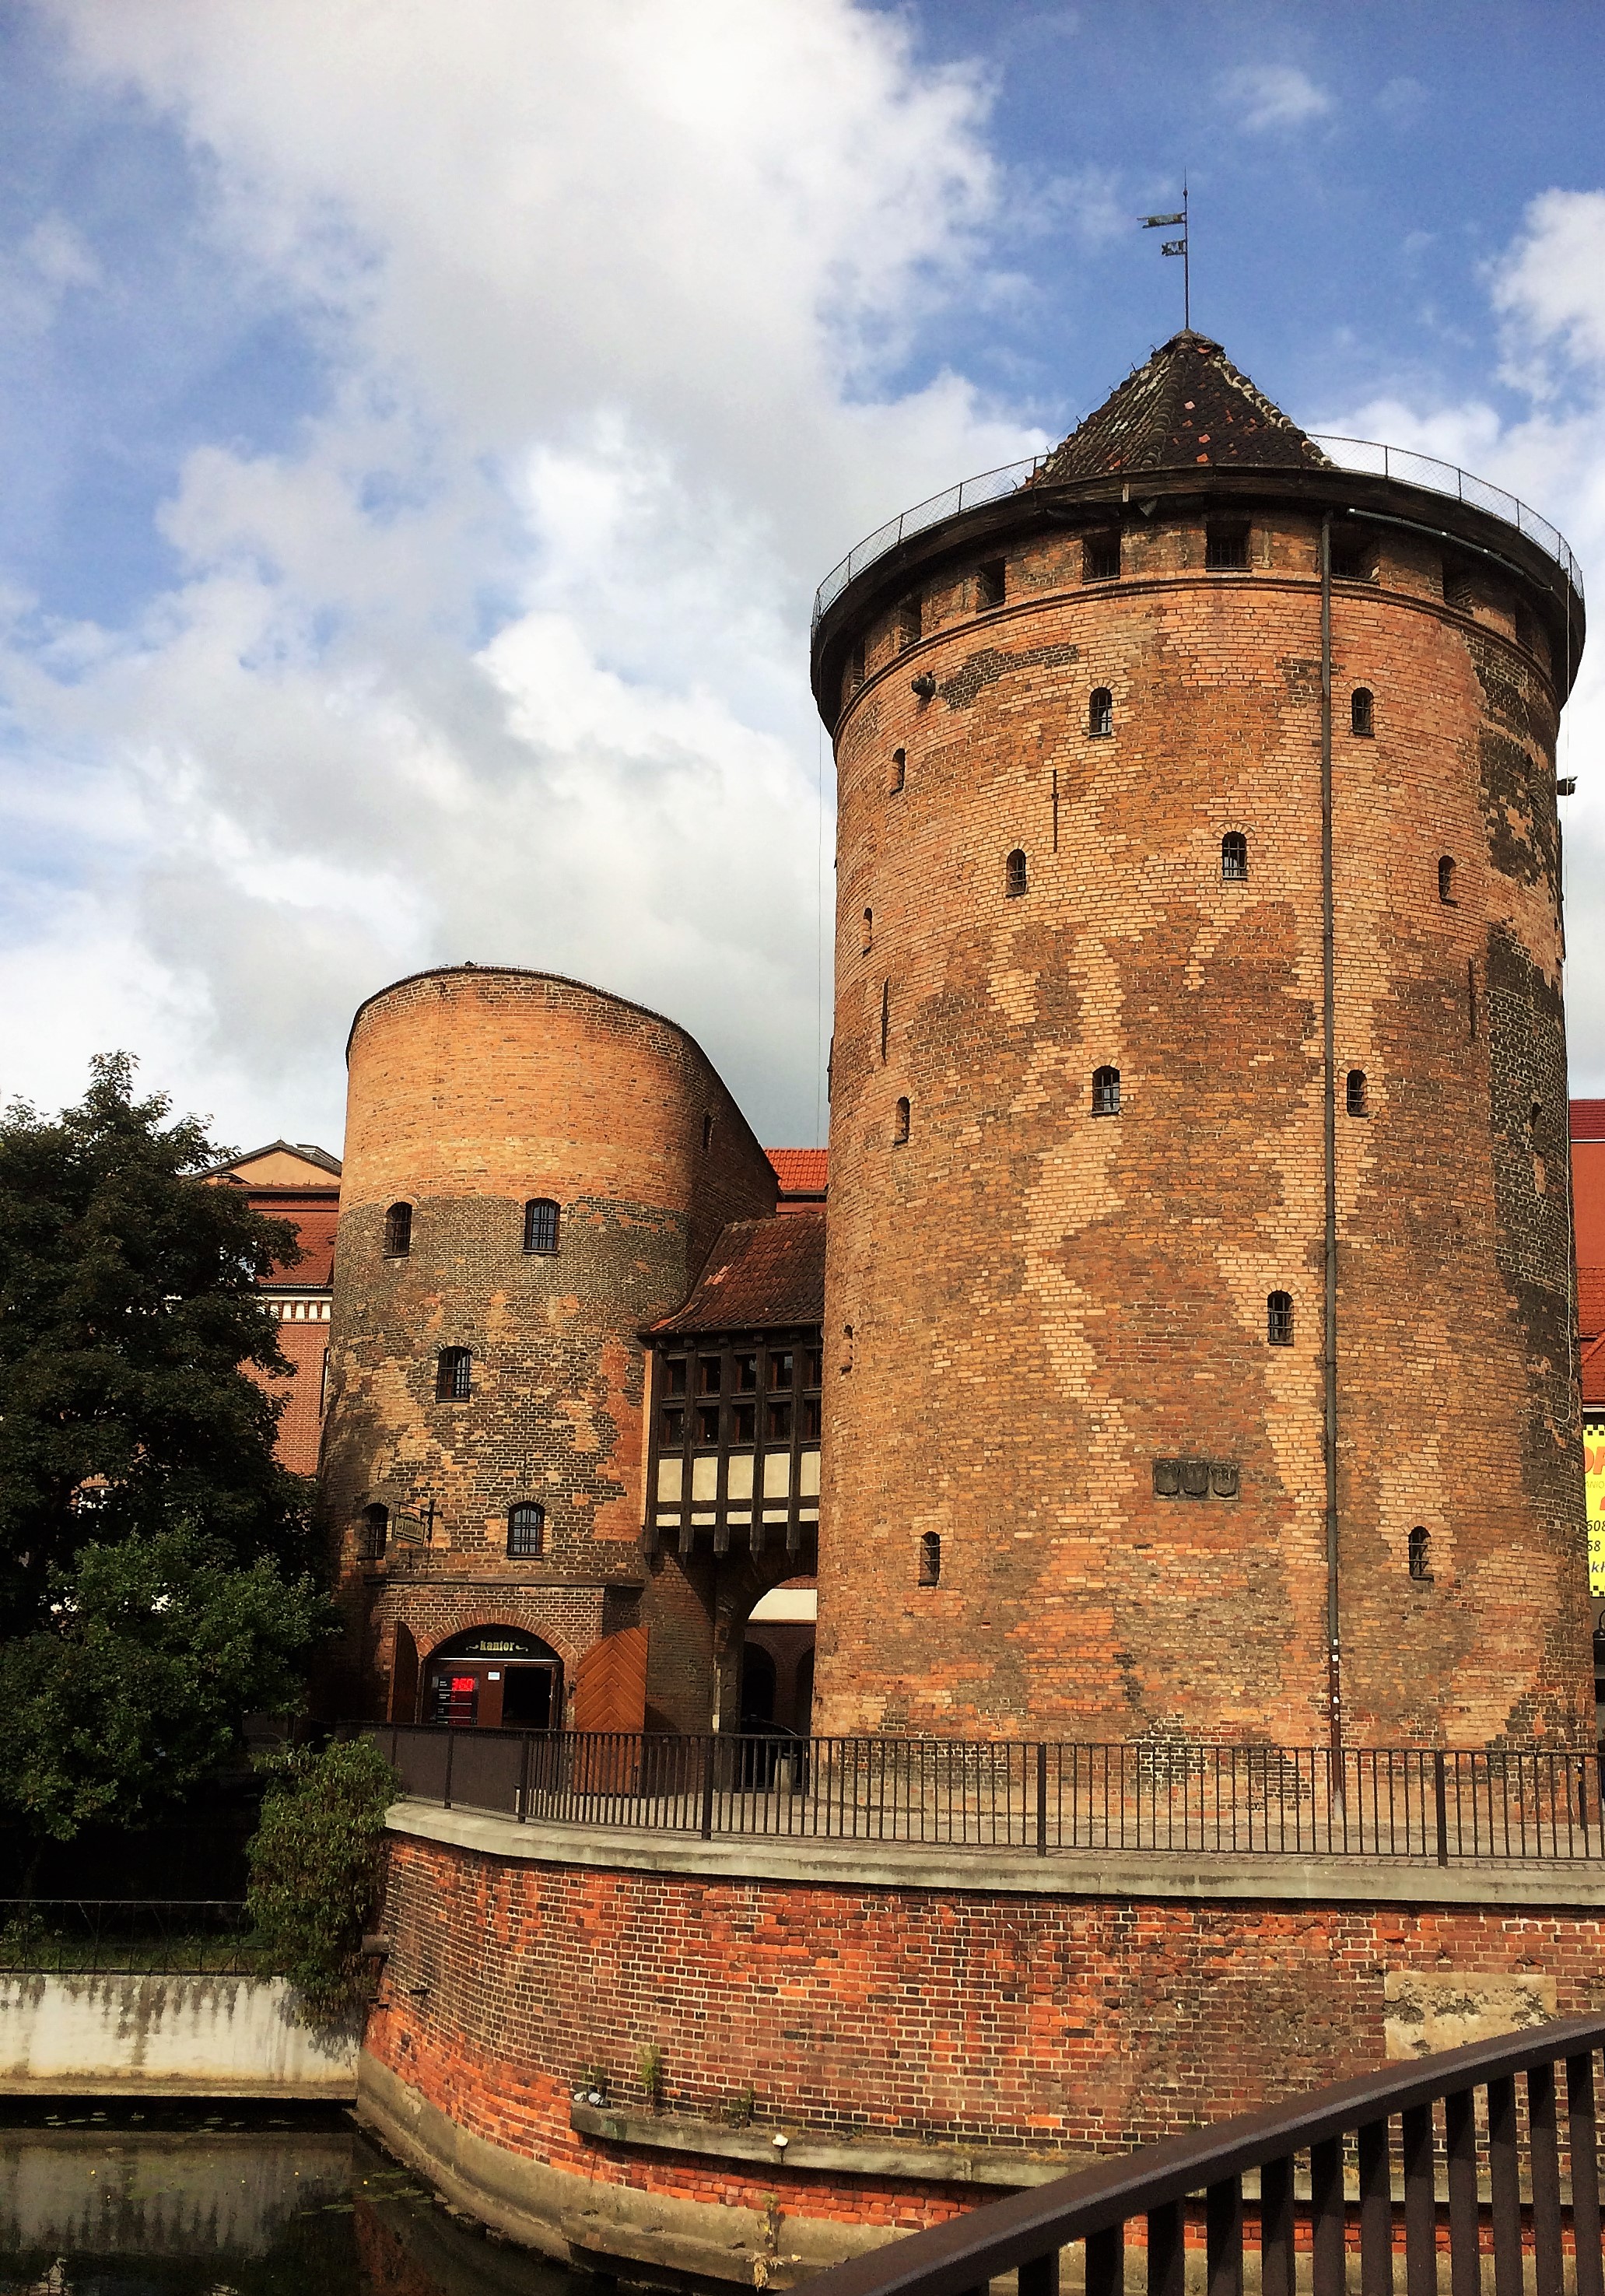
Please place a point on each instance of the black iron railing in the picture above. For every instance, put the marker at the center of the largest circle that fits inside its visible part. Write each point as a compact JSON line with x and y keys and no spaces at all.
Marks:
{"x":1469,"y":2150}
{"x":156,"y":1936}
{"x":1404,"y":1802}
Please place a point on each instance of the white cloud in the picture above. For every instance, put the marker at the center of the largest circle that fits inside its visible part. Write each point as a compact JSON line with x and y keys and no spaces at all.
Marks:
{"x":505,"y":657}
{"x":1273,"y":96}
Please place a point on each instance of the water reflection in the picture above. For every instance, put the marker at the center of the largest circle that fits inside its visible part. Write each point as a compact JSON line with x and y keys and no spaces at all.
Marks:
{"x":103,"y":2199}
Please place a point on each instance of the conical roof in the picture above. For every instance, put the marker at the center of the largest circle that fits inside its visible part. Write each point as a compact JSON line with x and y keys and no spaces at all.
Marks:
{"x":1188,"y":405}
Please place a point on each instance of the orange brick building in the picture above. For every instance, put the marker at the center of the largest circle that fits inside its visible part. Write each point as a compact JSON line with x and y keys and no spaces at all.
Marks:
{"x":1189,"y":1357}
{"x":294,"y":1181}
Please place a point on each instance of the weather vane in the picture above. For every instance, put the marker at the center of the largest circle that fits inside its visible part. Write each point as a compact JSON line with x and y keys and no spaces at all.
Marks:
{"x":1176,"y":247}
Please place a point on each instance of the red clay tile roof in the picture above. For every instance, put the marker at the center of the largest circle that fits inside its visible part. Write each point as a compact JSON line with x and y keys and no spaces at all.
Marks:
{"x":314,"y":1225}
{"x":1594,"y":1370}
{"x":1590,"y":1301}
{"x":1587,"y":1120}
{"x":760,"y":1276}
{"x":801,"y":1171}
{"x":1189,"y":405}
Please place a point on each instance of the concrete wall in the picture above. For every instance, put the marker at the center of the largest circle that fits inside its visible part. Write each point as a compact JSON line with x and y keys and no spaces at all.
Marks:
{"x":165,"y":2036}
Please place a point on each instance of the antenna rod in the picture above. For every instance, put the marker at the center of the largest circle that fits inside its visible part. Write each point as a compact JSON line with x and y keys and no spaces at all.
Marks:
{"x":1176,"y":247}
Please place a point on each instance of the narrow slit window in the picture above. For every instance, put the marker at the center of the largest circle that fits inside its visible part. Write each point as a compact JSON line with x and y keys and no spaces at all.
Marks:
{"x":930,"y":1558}
{"x":869,"y":931}
{"x":1106,"y":1091}
{"x":1226,"y":547}
{"x":375,"y":1532}
{"x":1354,"y":1099}
{"x":1445,"y":879}
{"x":1234,"y":857}
{"x":1420,"y":1552}
{"x":899,"y":772}
{"x":910,"y":622}
{"x":399,"y":1232}
{"x":989,"y":582}
{"x":1361,"y":715}
{"x":707,"y":1134}
{"x":540,"y":1225}
{"x":1014,"y":874}
{"x":453,"y":1374}
{"x":526,"y":1529}
{"x":900,"y":1122}
{"x":1100,"y":558}
{"x":1100,"y":713}
{"x":885,"y":1018}
{"x":1279,"y":1319}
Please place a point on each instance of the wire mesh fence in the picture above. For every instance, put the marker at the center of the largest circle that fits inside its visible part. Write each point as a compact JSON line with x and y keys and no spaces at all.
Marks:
{"x":1037,"y":1796}
{"x":160,"y":1937}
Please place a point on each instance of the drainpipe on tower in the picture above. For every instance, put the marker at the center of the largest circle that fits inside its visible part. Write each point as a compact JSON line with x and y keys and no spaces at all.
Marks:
{"x":1329,"y":1335}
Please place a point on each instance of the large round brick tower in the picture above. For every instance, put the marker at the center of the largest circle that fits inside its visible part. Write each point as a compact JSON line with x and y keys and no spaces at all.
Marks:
{"x":533,"y":1171}
{"x":1198,"y":1296}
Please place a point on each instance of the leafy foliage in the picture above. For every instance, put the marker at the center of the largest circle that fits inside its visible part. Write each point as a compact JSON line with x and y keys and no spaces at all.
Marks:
{"x":133,"y":1691}
{"x":128,"y":1312}
{"x":318,"y":1871}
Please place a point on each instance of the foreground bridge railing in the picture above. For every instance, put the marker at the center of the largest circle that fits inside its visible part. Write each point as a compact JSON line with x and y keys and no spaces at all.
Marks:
{"x":1465,"y":2153}
{"x":1406,"y":1802}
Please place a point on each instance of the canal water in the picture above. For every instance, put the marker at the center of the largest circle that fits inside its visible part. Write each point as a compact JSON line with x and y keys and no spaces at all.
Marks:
{"x":100,"y":2199}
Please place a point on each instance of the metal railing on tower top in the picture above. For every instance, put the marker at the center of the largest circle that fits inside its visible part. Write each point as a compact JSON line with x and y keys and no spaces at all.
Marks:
{"x":1034,"y":1796}
{"x":1364,"y":456}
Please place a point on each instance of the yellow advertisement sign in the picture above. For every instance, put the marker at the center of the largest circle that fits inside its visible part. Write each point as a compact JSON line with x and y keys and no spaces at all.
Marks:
{"x":1593,"y":1470}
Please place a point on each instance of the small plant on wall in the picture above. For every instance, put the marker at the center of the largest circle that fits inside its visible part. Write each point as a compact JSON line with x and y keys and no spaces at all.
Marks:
{"x":648,"y":2072}
{"x":738,"y":2109}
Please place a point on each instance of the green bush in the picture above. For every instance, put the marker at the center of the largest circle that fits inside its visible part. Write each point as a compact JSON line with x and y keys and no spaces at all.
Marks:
{"x":318,"y":1872}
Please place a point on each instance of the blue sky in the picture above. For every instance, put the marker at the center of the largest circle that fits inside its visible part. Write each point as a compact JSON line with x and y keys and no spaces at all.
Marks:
{"x":423,"y":429}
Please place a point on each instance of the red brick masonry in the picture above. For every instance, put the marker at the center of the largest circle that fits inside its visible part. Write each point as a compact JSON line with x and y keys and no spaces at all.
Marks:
{"x":961,"y":2016}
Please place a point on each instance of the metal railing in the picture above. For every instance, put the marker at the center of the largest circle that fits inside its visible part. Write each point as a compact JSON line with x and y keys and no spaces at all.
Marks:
{"x":1364,"y":456}
{"x":1401,"y":1802}
{"x":1451,"y":2160}
{"x":153,"y":1936}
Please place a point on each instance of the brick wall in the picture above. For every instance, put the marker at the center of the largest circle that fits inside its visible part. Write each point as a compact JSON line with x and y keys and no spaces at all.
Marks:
{"x":301,"y":1426}
{"x":470,"y":1092}
{"x":1045,"y":1302}
{"x":1036,"y":2022}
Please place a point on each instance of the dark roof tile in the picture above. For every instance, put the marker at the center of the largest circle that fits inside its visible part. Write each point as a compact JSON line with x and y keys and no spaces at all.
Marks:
{"x":1188,"y":405}
{"x":761,"y":1275}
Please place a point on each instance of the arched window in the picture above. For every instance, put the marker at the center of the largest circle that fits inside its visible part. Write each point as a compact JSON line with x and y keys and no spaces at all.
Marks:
{"x":1421,"y":1552}
{"x":375,"y":1532}
{"x":540,"y":1225}
{"x":1279,"y":1319}
{"x":1361,"y":718}
{"x":1354,"y":1099}
{"x":399,"y":1232}
{"x":1106,"y":1091}
{"x":930,"y":1558}
{"x":1234,"y":857}
{"x":1445,"y":879}
{"x":869,"y":931}
{"x":526,"y":1529}
{"x":900,"y":1124}
{"x":1101,"y":711}
{"x":453,"y":1374}
{"x":899,"y":770}
{"x":1014,"y":874}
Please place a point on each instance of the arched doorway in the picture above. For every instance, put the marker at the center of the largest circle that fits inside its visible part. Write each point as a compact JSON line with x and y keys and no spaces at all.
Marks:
{"x":757,"y":1686}
{"x":494,"y":1678}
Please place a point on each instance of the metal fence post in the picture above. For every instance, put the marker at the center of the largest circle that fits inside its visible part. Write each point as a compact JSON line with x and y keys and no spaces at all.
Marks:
{"x":451,"y":1747}
{"x":707,"y":1754}
{"x":1042,"y":1797}
{"x":1440,"y":1796}
{"x":524,"y":1780}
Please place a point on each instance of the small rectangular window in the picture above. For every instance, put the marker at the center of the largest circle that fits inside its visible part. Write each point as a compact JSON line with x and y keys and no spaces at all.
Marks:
{"x":814,"y":1367}
{"x":930,"y":1559}
{"x":989,"y":585}
{"x":743,"y":1422}
{"x":672,"y":1426}
{"x":1226,"y":545}
{"x":781,"y":1368}
{"x":1100,"y":558}
{"x":779,"y":1423}
{"x":1353,"y":556}
{"x":710,"y":1375}
{"x":674,"y":1375}
{"x":708,"y":1422}
{"x":810,"y":1419}
{"x":1460,"y":587}
{"x":910,"y":622}
{"x":746,"y":1374}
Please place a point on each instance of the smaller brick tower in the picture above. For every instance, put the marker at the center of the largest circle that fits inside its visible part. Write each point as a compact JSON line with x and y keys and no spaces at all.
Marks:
{"x":1198,"y":1283}
{"x":534,"y":1171}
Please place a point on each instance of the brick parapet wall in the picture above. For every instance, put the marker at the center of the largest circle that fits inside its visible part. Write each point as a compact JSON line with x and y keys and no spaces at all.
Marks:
{"x":927,"y":2016}
{"x":1043,"y":1303}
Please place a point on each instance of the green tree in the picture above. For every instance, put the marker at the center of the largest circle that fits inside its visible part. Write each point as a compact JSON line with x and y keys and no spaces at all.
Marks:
{"x":133,"y":1690}
{"x":318,"y":1871}
{"x":128,"y":1312}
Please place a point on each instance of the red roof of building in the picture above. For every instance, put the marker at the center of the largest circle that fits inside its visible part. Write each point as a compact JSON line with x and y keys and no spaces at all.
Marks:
{"x":1590,"y":1301}
{"x":801,"y":1171}
{"x":314,"y":1224}
{"x":1593,"y":1370}
{"x":760,"y":1276}
{"x":1587,"y":1121}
